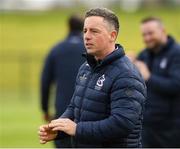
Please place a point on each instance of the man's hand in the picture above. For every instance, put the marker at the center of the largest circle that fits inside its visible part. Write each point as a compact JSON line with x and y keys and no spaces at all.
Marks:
{"x":131,"y":55}
{"x":143,"y":69}
{"x":65,"y":125}
{"x":46,"y":134}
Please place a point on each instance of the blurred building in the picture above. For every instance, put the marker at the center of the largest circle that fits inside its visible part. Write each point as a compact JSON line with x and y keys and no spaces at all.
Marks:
{"x":127,"y":5}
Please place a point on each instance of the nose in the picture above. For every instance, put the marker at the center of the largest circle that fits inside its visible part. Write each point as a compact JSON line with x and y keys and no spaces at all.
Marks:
{"x":87,"y":36}
{"x":147,"y":38}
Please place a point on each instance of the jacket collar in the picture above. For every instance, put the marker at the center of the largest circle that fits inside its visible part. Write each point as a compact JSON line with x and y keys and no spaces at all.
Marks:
{"x":116,"y":54}
{"x":169,"y":43}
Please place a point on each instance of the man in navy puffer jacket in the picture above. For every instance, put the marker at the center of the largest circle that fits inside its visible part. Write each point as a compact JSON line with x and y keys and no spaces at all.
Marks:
{"x":107,"y":106}
{"x":159,"y":64}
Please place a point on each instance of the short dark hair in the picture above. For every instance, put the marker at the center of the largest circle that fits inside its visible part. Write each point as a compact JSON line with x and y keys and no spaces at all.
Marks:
{"x":107,"y":14}
{"x":150,"y":19}
{"x":75,"y":23}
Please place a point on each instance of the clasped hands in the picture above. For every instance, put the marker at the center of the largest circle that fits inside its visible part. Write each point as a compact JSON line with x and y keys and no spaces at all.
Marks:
{"x":49,"y":131}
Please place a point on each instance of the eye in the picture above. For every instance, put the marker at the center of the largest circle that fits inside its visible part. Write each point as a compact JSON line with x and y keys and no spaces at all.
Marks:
{"x":85,"y":30}
{"x":94,"y":31}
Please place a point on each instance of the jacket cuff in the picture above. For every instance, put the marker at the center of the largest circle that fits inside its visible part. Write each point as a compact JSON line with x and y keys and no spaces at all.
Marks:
{"x":78,"y":131}
{"x":61,"y":135}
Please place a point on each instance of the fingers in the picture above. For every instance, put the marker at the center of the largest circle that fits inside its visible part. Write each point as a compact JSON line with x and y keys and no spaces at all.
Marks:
{"x":43,"y":128}
{"x":43,"y":134}
{"x":40,"y":133}
{"x":61,"y":124}
{"x":49,"y":131}
{"x":139,"y":63}
{"x":43,"y":138}
{"x":58,"y":125}
{"x":42,"y":142}
{"x":60,"y":120}
{"x":59,"y":128}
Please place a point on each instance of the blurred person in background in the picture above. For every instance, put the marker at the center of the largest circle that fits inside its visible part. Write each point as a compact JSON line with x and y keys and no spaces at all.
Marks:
{"x":159,"y":64}
{"x":61,"y":67}
{"x":107,"y":106}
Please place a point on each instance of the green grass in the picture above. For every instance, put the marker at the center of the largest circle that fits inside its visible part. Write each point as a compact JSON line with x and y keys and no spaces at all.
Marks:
{"x":20,"y":119}
{"x":25,"y":39}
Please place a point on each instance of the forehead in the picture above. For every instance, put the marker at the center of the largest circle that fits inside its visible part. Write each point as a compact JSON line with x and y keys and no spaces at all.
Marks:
{"x":94,"y":21}
{"x":151,"y":25}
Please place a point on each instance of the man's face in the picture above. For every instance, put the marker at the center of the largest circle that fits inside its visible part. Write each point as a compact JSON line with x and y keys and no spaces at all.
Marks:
{"x":96,"y":35}
{"x":152,"y":33}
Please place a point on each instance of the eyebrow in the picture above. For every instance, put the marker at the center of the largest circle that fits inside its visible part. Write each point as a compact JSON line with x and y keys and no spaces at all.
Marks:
{"x":93,"y":28}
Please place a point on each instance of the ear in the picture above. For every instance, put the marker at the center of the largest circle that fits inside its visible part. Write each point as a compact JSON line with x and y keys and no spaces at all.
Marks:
{"x":113,"y":36}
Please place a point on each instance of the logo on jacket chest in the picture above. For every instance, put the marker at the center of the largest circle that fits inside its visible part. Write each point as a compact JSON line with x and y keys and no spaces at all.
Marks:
{"x":100,"y":82}
{"x":83,"y":78}
{"x":163,"y":63}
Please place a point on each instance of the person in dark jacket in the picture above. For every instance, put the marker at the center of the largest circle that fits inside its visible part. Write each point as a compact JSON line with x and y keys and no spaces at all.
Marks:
{"x":61,"y":67}
{"x":159,"y":64}
{"x":107,"y":106}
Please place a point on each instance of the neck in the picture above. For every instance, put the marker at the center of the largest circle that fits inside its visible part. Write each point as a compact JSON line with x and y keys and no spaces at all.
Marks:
{"x":164,"y":40}
{"x":161,"y":45}
{"x":105,"y":53}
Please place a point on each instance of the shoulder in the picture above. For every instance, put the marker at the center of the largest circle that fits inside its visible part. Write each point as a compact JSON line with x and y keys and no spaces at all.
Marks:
{"x":175,"y":48}
{"x":173,"y":54}
{"x":56,"y":48}
{"x":124,"y":67}
{"x":129,"y":79}
{"x":84,"y":68}
{"x":123,"y":70}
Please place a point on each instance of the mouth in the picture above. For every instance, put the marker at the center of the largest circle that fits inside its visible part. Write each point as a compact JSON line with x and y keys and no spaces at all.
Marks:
{"x":88,"y":44}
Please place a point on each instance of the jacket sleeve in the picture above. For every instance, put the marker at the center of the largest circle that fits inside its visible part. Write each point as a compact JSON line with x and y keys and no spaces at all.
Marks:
{"x":171,"y":84}
{"x":126,"y":100}
{"x":69,"y":112}
{"x":46,"y":81}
